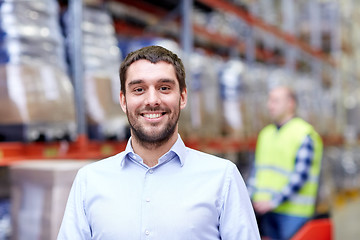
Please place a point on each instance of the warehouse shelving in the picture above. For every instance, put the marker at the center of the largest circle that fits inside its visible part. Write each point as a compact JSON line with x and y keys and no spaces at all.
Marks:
{"x":270,"y":29}
{"x":212,"y":39}
{"x":229,"y":42}
{"x":83,"y":148}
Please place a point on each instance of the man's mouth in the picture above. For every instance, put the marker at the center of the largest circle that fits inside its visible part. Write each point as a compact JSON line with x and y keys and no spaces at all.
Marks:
{"x":153,"y":115}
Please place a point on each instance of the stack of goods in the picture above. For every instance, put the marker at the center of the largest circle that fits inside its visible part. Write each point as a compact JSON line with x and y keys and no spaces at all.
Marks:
{"x":256,"y":94}
{"x":232,"y":98}
{"x":36,"y":100}
{"x":203,"y":95}
{"x":101,"y":61}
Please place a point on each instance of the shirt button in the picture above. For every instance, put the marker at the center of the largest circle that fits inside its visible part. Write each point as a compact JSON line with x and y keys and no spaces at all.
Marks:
{"x":148,"y":200}
{"x":147,"y":232}
{"x":151,"y":171}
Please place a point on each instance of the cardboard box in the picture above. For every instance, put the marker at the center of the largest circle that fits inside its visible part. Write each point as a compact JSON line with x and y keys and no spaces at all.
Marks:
{"x":101,"y":108}
{"x":35,"y":94}
{"x":39,"y":192}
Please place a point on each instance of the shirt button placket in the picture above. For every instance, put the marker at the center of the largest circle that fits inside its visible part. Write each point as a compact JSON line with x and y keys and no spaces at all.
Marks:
{"x":151,"y":171}
{"x":147,"y":201}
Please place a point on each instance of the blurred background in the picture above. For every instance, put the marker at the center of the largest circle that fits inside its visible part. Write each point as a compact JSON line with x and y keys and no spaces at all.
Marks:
{"x":59,"y":88}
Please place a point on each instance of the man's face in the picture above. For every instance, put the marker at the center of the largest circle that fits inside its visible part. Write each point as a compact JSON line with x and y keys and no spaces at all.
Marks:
{"x":152,"y":101}
{"x":279,"y":105}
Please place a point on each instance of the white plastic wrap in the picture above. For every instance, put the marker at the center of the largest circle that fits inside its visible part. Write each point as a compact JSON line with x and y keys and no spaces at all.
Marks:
{"x":101,"y":62}
{"x":31,"y":30}
{"x":231,"y":87}
{"x":203,"y":96}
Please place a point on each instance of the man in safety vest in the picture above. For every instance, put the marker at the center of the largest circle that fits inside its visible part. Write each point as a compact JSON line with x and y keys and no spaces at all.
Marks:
{"x":284,"y":183}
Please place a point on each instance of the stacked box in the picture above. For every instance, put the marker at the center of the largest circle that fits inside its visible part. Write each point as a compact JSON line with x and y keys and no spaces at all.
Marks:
{"x":39,"y":192}
{"x":101,"y":61}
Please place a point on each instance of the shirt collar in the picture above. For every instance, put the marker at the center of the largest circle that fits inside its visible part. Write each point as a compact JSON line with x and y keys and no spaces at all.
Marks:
{"x":178,"y":148}
{"x":128,"y":152}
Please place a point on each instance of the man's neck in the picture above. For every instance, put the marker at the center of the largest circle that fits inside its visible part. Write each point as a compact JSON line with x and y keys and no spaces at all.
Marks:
{"x":281,"y":123}
{"x":150,"y":153}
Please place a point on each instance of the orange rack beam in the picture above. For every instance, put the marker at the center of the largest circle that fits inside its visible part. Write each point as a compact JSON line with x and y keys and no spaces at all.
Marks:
{"x":83,"y":148}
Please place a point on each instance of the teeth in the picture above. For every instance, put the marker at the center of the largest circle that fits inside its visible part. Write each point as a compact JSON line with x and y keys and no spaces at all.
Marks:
{"x":153,"y":115}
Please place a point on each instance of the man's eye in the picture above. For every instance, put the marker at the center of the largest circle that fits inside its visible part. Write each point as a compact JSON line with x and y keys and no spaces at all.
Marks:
{"x":164,"y":88}
{"x":138,"y":90}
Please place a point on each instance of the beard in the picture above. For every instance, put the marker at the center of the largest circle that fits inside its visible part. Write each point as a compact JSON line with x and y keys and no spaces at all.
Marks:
{"x":154,"y":137}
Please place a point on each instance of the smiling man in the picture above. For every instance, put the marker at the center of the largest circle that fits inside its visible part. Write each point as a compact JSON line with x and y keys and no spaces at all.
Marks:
{"x":157,"y":188}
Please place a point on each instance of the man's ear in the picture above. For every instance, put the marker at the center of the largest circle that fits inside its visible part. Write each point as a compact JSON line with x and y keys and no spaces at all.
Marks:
{"x":292,"y":105}
{"x":122,"y":101}
{"x":183,"y":98}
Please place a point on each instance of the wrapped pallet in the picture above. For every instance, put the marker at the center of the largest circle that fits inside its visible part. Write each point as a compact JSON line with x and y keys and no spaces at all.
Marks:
{"x":232,"y":98}
{"x":105,"y":117}
{"x":203,"y":96}
{"x":36,"y":101}
{"x":38,"y":98}
{"x":101,"y":61}
{"x":39,"y":192}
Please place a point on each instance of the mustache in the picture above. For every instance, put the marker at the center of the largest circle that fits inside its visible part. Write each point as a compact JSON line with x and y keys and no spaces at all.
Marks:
{"x":154,"y":109}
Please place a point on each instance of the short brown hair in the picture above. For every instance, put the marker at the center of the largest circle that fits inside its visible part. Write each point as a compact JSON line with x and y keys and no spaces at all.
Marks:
{"x":153,"y":54}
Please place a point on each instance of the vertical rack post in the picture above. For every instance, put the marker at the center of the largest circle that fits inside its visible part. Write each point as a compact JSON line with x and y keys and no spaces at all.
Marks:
{"x":76,"y":16}
{"x":187,"y":29}
{"x":336,"y":53}
{"x":288,"y":26}
{"x":187,"y":42}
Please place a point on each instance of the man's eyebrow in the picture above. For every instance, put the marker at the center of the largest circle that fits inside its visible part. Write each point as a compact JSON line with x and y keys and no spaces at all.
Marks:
{"x":161,"y":80}
{"x":167,"y":80}
{"x":133,"y":82}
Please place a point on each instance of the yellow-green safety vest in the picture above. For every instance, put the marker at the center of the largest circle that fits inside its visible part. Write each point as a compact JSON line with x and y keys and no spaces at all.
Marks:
{"x":275,"y":160}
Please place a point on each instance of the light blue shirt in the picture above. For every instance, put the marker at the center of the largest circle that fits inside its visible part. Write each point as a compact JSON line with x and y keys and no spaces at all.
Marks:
{"x":188,"y":195}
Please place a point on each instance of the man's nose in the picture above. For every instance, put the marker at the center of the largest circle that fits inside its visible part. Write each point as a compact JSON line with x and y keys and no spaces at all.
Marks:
{"x":153,"y":97}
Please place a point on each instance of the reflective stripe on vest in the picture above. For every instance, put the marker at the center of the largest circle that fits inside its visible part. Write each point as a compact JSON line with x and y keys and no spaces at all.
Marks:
{"x":287,"y":174}
{"x":298,"y":199}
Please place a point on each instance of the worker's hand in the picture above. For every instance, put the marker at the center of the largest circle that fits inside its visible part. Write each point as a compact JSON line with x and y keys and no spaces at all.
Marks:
{"x":263,"y":207}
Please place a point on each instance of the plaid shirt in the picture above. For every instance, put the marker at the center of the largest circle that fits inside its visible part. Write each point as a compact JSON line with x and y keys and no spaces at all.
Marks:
{"x":298,"y":177}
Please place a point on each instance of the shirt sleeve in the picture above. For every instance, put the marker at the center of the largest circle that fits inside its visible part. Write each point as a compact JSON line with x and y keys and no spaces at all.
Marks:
{"x":237,"y":218}
{"x":251,"y":180}
{"x":74,"y":224}
{"x":298,"y":177}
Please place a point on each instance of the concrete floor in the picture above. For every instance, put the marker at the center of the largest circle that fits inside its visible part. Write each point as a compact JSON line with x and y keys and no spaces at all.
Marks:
{"x":346,"y":219}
